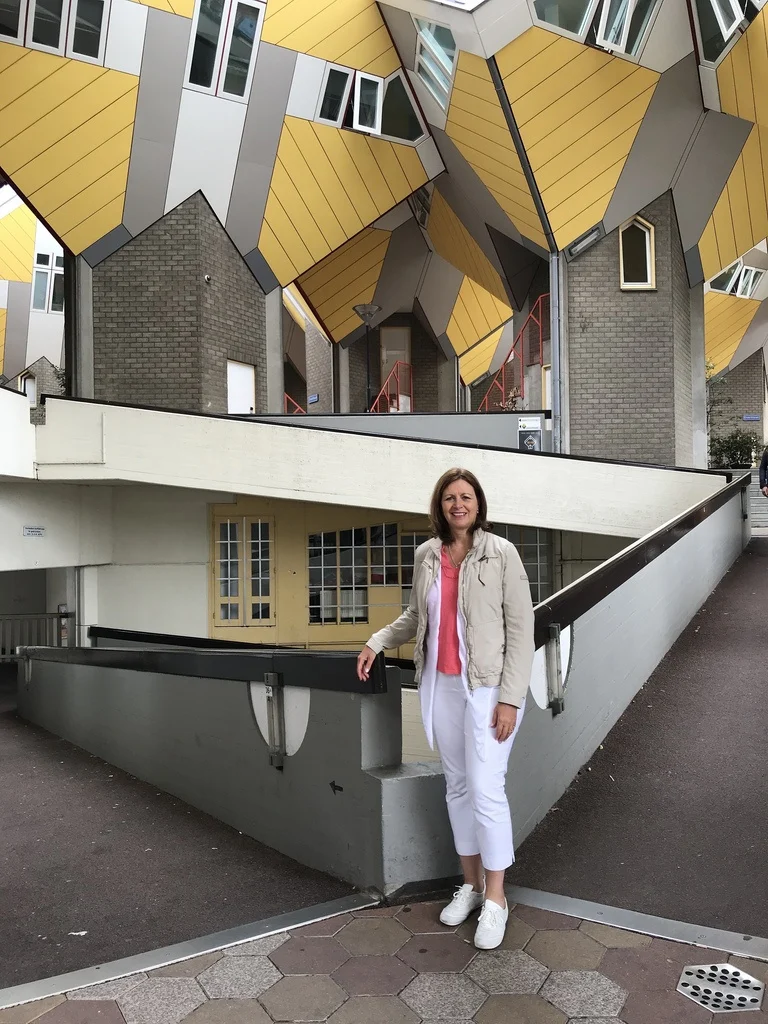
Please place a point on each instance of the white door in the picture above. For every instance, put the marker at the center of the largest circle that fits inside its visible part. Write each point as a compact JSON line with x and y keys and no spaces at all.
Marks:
{"x":241,"y":388}
{"x":547,"y":396}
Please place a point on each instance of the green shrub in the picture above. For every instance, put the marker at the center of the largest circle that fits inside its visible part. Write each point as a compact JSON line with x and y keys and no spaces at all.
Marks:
{"x":739,"y":448}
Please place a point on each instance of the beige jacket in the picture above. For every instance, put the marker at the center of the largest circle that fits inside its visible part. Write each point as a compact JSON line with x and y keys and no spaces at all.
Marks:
{"x":495,"y":600}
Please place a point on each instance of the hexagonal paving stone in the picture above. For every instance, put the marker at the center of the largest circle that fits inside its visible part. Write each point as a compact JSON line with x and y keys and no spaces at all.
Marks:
{"x":319,"y":929}
{"x":373,"y":976}
{"x":309,"y":956}
{"x":519,"y":1010}
{"x":239,"y":977}
{"x":187,"y":968}
{"x":566,"y":950}
{"x":614,"y":938}
{"x":374,"y":1010}
{"x":423,"y":917}
{"x":161,"y":1000}
{"x":757,"y":968}
{"x":377,"y":912}
{"x":595,"y":1020}
{"x":584,"y":994}
{"x":108,"y":989}
{"x":258,"y":947}
{"x":669,"y":1008}
{"x":229,"y":1011}
{"x":29,"y":1011}
{"x":509,"y":973}
{"x":443,"y":995}
{"x":89,"y":1011}
{"x":642,"y":970}
{"x":446,"y":1020}
{"x":545,"y":919}
{"x":373,"y":936}
{"x":517,"y":935}
{"x":435,"y":954}
{"x":303,"y":999}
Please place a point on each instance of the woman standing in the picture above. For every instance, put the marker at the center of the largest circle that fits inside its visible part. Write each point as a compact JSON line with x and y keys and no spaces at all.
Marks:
{"x":472,"y":618}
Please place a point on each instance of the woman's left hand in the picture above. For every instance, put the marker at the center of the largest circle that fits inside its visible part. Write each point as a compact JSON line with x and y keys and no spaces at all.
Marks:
{"x":504,"y":721}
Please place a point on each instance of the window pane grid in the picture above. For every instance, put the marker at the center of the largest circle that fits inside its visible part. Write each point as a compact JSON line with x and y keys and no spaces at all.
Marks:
{"x":535,"y":549}
{"x":260,"y":570}
{"x":409,"y":542}
{"x":228,"y":569}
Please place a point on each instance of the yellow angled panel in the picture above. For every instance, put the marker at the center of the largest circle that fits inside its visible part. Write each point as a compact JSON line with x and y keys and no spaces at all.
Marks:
{"x":410,"y":161}
{"x":585,"y":178}
{"x":475,"y":362}
{"x":309,"y":141}
{"x":475,"y":314}
{"x":23,"y":75}
{"x":369,"y":169}
{"x":737,"y":197}
{"x":455,"y":244}
{"x":17,"y":245}
{"x":751,"y":159}
{"x":527,"y":46}
{"x":306,"y":183}
{"x":354,"y":184}
{"x":92,"y":199}
{"x":757,"y":40}
{"x":582,"y":221}
{"x":742,"y":80}
{"x":341,"y":263}
{"x":726,"y":320}
{"x":723,"y":220}
{"x":555,"y":59}
{"x":742,"y":77}
{"x":96,"y":226}
{"x":297,"y":211}
{"x":275,"y":255}
{"x":50,"y":93}
{"x":710,"y":255}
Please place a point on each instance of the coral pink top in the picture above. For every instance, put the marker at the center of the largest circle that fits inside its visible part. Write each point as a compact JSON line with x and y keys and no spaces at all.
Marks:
{"x":448,"y":657}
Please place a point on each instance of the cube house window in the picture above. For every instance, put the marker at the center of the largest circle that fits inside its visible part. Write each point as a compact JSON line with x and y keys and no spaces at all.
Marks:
{"x":74,"y":28}
{"x":738,"y":280}
{"x":399,"y":119}
{"x":334,"y":95}
{"x":435,"y":59}
{"x":637,"y":255}
{"x":226,"y":36}
{"x":369,"y":92}
{"x":617,"y":25}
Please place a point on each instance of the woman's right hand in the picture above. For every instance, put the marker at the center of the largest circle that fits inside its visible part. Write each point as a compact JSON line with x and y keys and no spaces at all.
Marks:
{"x":365,"y":660}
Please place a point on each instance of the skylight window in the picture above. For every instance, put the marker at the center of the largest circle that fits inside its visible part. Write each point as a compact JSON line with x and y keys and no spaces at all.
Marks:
{"x":435,"y":58}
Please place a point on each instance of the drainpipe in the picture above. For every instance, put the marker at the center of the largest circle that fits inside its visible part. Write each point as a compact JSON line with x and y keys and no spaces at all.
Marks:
{"x":555,"y":280}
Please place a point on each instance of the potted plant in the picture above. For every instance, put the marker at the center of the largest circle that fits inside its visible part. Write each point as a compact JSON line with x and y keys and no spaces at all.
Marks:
{"x":736,"y":450}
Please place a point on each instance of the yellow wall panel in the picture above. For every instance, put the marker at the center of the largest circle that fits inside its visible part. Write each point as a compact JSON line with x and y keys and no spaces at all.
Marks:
{"x":726,"y":320}
{"x":477,"y":126}
{"x":743,"y":75}
{"x":476,"y":313}
{"x":3,"y":317}
{"x":740,"y":218}
{"x":65,"y":137}
{"x":578,"y":112}
{"x":477,"y":360}
{"x":345,"y":278}
{"x":330,"y":184}
{"x":454,"y":243}
{"x":185,"y":8}
{"x":350,"y":32}
{"x":17,"y":245}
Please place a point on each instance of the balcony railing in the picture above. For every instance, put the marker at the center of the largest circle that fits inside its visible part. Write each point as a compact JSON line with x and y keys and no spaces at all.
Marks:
{"x":397,"y":393}
{"x":290,"y":406}
{"x":508,"y":386}
{"x":46,"y":629}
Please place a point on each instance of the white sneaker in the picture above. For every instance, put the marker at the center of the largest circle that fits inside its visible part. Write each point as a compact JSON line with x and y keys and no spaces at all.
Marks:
{"x":464,"y":901}
{"x":491,"y":925}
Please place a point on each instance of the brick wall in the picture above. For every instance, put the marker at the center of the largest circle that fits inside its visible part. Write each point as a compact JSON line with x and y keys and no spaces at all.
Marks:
{"x":426,"y":358}
{"x":357,"y":372}
{"x":162,"y":334}
{"x":47,"y":382}
{"x":319,"y":369}
{"x":629,"y":352}
{"x":736,"y":394}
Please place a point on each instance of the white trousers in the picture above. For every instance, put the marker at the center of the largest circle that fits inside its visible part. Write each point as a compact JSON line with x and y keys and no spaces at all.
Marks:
{"x":475,"y":768}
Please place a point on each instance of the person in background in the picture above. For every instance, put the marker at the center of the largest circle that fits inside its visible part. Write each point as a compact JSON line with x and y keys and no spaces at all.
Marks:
{"x":471,"y":615}
{"x":764,"y":473}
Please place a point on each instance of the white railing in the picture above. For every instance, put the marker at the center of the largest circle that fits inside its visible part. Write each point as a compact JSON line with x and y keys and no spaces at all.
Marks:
{"x":45,"y":629}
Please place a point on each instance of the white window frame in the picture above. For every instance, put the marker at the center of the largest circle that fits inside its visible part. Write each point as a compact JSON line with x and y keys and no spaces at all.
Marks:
{"x":356,"y":124}
{"x":24,"y":380}
{"x":737,"y":13}
{"x":650,"y":248}
{"x":51,"y":271}
{"x":223,"y":47}
{"x":417,"y":110}
{"x":350,"y":73}
{"x":589,"y":17}
{"x":422,"y":41}
{"x":620,"y":46}
{"x":67,"y":34}
{"x":749,"y":279}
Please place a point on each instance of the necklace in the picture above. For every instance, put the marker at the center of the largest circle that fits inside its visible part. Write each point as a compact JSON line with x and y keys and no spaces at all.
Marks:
{"x":456,"y":565}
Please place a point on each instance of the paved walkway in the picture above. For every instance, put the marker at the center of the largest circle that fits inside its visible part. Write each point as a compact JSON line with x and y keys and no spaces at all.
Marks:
{"x":400,"y":966}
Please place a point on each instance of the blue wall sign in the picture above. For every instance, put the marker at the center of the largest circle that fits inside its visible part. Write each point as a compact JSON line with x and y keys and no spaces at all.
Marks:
{"x":312,"y":399}
{"x":750,"y":418}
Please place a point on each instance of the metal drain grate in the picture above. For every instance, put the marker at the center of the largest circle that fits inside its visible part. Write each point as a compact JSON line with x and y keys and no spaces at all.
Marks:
{"x":721,"y":988}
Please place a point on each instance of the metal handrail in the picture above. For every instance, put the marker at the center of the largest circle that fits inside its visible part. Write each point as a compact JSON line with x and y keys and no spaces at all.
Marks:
{"x":49,"y":629}
{"x":397,"y":386}
{"x":291,"y":406}
{"x":508,"y":385}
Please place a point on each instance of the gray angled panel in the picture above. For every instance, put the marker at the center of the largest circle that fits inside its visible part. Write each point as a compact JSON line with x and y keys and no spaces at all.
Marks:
{"x":17,"y":328}
{"x":506,"y":341}
{"x":403,"y":266}
{"x":705,"y":171}
{"x":755,"y":337}
{"x":272,"y":79}
{"x":110,"y":243}
{"x":262,"y":271}
{"x":520,"y":266}
{"x":438,"y":292}
{"x":162,"y":75}
{"x":403,"y":32}
{"x":671,"y":120}
{"x":693,"y":266}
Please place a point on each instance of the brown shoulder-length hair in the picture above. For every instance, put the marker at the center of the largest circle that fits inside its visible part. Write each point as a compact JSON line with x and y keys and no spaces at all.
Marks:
{"x":438,"y":522}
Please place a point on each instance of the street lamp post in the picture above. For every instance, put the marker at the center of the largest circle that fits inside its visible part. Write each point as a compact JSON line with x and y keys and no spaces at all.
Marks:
{"x":367,"y":311}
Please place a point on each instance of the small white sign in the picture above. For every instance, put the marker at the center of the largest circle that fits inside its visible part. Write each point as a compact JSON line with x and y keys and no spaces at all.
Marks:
{"x":34,"y":531}
{"x":531,"y":423}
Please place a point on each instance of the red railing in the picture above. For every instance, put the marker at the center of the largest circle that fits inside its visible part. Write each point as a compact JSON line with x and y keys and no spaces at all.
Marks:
{"x":397,"y":393}
{"x":289,"y":406}
{"x":508,"y":386}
